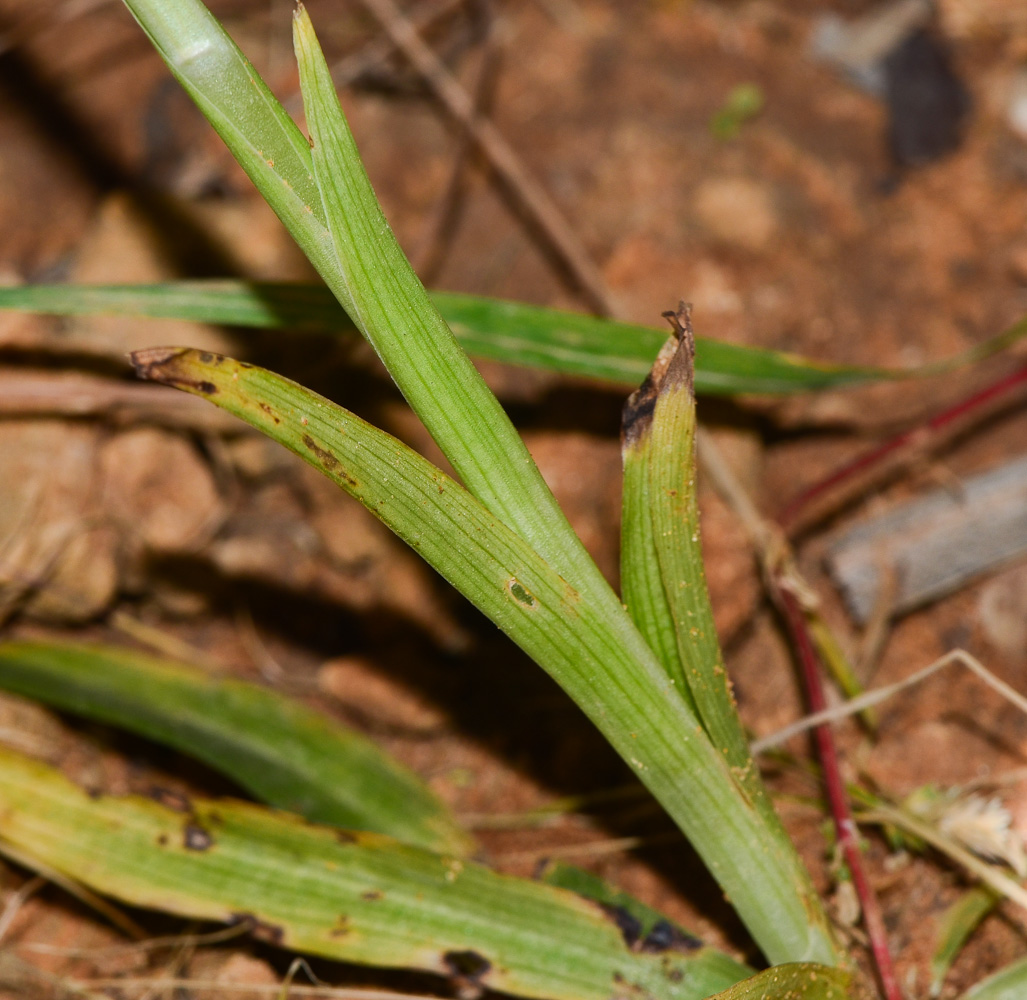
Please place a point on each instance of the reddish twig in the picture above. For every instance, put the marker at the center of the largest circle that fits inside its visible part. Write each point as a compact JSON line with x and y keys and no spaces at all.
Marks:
{"x":920,"y":436}
{"x":790,"y":594}
{"x":845,"y":826}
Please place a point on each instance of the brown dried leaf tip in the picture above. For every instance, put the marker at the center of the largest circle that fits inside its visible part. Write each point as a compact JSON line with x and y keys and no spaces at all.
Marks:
{"x":672,"y":368}
{"x":173,"y":366}
{"x":681,"y":370}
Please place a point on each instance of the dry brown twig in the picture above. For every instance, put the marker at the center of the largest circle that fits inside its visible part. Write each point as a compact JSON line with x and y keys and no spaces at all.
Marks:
{"x":352,"y":67}
{"x":530,"y":198}
{"x":878,"y":695}
{"x":441,"y":229}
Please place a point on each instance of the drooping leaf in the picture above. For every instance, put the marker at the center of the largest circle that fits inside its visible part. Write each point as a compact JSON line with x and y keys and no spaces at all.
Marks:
{"x":358,"y":897}
{"x":563,"y":630}
{"x":277,"y":749}
{"x":511,"y":332}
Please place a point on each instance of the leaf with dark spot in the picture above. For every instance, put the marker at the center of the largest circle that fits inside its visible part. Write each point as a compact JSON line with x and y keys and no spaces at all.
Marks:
{"x":196,"y":838}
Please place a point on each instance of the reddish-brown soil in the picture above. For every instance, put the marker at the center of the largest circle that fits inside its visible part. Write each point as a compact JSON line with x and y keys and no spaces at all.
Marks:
{"x":792,"y":235}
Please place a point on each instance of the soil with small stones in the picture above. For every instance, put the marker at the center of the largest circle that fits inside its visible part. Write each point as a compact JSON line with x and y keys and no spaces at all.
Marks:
{"x":126,"y":522}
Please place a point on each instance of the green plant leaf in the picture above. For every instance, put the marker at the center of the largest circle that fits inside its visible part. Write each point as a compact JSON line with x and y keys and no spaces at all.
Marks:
{"x":277,"y":749}
{"x":356,"y":897}
{"x":571,"y":636}
{"x":391,"y":309}
{"x":641,"y":925}
{"x":253,"y":125}
{"x":1009,"y":983}
{"x":511,"y":332}
{"x":664,"y":431}
{"x":955,"y":926}
{"x":533,"y":576}
{"x":796,"y":981}
{"x":640,"y":577}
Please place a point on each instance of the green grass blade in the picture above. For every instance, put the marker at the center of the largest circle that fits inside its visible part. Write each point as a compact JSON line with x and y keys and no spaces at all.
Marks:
{"x":243,"y":111}
{"x":510,"y":332}
{"x":667,"y":432}
{"x":277,"y":749}
{"x":567,"y":633}
{"x":955,"y":927}
{"x":641,"y":581}
{"x":1009,"y":983}
{"x":356,"y":897}
{"x":659,"y":447}
{"x":391,"y":308}
{"x":798,"y":981}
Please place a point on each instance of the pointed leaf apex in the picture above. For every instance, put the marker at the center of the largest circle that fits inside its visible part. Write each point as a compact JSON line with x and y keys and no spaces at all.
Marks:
{"x":681,"y":368}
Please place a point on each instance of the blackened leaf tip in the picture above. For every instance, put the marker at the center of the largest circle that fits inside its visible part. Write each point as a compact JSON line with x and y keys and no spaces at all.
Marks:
{"x":171,"y":366}
{"x":151,"y":362}
{"x":681,"y":369}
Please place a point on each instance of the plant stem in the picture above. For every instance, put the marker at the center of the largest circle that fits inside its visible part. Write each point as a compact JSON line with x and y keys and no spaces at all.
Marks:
{"x":848,"y":834}
{"x":785,"y":586}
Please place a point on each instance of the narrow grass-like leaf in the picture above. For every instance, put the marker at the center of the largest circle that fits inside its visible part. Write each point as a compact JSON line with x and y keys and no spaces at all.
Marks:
{"x":357,"y":897}
{"x":667,"y":434}
{"x":797,"y":981}
{"x":511,"y":332}
{"x":955,"y":926}
{"x":360,"y":260}
{"x":238,"y":104}
{"x":571,"y":621}
{"x":572,"y":637}
{"x":640,"y":578}
{"x":1009,"y":983}
{"x":391,"y":308}
{"x":277,"y":749}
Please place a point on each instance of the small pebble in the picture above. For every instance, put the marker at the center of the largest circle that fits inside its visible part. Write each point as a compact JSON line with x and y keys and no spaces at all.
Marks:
{"x":737,"y":211}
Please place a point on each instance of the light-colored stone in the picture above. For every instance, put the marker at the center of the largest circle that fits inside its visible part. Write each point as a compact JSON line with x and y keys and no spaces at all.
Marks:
{"x":159,"y":490}
{"x":737,"y":211}
{"x":57,"y":554}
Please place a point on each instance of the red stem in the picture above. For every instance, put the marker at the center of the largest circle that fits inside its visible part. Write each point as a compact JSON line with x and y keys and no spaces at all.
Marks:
{"x":848,"y":835}
{"x":875,"y":456}
{"x":845,"y":826}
